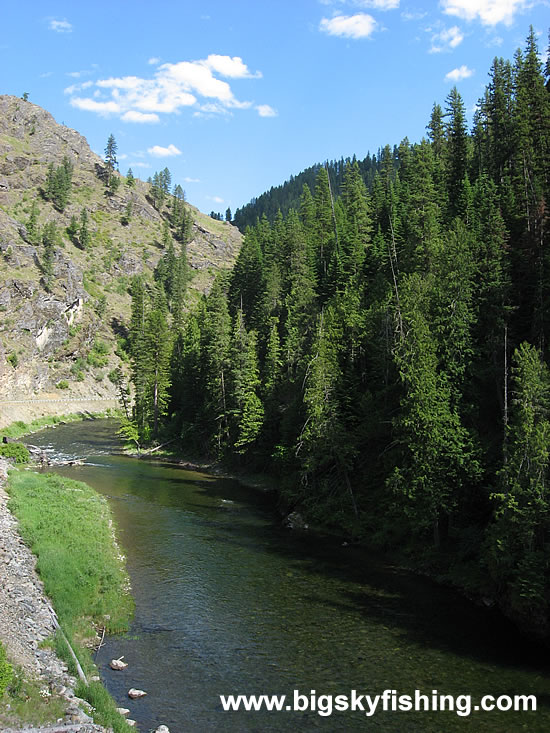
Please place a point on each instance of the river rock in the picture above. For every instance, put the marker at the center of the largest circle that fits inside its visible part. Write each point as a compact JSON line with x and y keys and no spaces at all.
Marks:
{"x":162,"y":729}
{"x":122,"y":711}
{"x":131,"y":722}
{"x":135,"y":694}
{"x":118,"y":664}
{"x":295,"y":521}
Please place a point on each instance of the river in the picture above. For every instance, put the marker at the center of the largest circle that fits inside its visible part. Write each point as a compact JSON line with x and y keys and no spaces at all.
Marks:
{"x":230,"y":602}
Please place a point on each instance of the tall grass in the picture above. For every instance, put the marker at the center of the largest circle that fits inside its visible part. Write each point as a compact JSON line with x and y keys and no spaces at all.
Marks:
{"x":68,"y":526}
{"x":19,"y":428}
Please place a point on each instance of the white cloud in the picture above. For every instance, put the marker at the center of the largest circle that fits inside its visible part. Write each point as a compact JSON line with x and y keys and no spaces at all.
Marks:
{"x":134,"y":116}
{"x":154,"y":60}
{"x":159,"y":152}
{"x":377,"y":4}
{"x":413,"y":15}
{"x":489,"y":12}
{"x":191,"y":180}
{"x":90,"y":105}
{"x":360,"y":25}
{"x":264,"y":110}
{"x":216,"y":199}
{"x":139,"y":165}
{"x":462,"y":72}
{"x":232,"y":67}
{"x":172,"y":87}
{"x":446,"y":39}
{"x":60,"y":26}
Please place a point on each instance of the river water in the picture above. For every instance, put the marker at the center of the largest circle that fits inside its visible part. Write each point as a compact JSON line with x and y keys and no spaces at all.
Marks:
{"x":229,"y":602}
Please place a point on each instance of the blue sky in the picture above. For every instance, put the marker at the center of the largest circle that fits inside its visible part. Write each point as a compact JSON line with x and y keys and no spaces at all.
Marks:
{"x":234,"y":97}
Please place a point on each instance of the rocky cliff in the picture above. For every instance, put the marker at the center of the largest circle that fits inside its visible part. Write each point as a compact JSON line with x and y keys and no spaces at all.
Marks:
{"x":60,"y":341}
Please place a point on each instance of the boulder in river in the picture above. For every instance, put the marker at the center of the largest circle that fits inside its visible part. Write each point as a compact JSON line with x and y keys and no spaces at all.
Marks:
{"x":162,"y":729}
{"x":135,"y":694}
{"x":118,"y":664}
{"x":295,"y":521}
{"x":122,"y":711}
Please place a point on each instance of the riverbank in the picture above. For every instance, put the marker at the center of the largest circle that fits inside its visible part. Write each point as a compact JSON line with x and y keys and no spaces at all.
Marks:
{"x":51,"y":408}
{"x":81,"y":574}
{"x":20,"y":428}
{"x":41,"y":689}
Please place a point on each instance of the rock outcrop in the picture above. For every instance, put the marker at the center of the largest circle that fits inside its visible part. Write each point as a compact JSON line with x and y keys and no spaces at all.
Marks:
{"x":48,"y":329}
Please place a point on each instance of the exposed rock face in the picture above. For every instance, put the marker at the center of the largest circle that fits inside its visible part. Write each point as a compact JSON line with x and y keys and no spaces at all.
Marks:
{"x":46,"y":333}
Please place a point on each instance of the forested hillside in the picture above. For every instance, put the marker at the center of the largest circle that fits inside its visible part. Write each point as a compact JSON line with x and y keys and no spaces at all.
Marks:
{"x":287,"y":196}
{"x":385,"y":352}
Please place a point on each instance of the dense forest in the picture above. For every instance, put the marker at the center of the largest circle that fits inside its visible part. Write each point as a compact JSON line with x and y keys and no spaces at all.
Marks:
{"x":283,"y":198}
{"x":383,"y":349}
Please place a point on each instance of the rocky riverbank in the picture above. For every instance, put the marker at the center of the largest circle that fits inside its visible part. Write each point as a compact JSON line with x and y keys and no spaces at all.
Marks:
{"x":26,"y":621}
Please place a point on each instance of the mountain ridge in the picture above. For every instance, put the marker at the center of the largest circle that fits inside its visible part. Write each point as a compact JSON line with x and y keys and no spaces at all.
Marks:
{"x":66,"y":335}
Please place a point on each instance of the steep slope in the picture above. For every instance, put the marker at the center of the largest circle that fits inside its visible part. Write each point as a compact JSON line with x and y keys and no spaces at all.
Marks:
{"x":65,"y":334}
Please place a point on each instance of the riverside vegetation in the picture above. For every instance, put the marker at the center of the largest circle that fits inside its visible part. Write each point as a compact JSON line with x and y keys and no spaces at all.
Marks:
{"x":382,"y":349}
{"x":69,"y":528}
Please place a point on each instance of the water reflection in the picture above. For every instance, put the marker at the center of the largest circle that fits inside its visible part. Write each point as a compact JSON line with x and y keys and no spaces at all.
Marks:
{"x":230,"y":602}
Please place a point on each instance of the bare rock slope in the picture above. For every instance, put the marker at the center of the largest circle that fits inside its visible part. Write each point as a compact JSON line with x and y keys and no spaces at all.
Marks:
{"x":52,"y":340}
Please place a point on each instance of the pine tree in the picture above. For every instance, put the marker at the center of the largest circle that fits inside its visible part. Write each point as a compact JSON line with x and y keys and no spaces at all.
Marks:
{"x":457,"y":150}
{"x":33,"y":229}
{"x":247,"y":410}
{"x":84,"y":235}
{"x":216,"y":336}
{"x":50,"y":240}
{"x":518,"y":549}
{"x":111,"y":162}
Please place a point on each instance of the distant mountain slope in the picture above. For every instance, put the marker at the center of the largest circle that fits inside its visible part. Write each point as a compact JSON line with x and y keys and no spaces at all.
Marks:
{"x":65,"y":335}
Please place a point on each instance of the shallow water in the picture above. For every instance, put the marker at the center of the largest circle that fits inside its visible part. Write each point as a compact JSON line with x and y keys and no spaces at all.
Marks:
{"x":229,"y":602}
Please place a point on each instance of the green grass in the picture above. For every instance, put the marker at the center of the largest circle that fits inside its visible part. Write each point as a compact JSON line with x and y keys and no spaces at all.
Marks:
{"x":105,"y":712}
{"x":15,"y":450}
{"x":19,"y":428}
{"x":67,"y":525}
{"x":29,"y":701}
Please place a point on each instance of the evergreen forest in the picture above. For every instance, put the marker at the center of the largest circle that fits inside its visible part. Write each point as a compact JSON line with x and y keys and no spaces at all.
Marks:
{"x":381,"y":345}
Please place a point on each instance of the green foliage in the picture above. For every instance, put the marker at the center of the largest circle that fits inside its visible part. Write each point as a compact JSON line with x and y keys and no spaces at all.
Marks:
{"x":15,"y":450}
{"x":379,"y":301}
{"x":6,"y":671}
{"x":62,"y":384}
{"x":58,"y":184}
{"x":111,"y":162}
{"x":13,"y":359}
{"x":50,"y":240}
{"x":105,"y":708}
{"x":33,"y":229}
{"x":67,"y":525}
{"x":518,"y":552}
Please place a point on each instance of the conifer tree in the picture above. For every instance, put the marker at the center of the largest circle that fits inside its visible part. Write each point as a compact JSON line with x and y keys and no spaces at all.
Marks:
{"x":33,"y":229}
{"x":111,"y":162}
{"x":247,"y":411}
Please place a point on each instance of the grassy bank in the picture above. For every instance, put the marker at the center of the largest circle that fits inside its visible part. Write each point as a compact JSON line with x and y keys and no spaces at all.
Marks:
{"x":19,"y":428}
{"x":69,"y":528}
